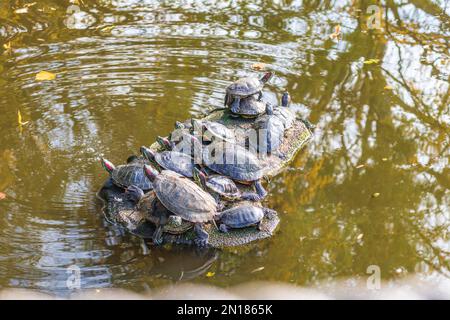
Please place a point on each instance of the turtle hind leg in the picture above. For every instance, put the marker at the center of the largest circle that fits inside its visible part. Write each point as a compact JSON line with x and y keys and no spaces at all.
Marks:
{"x":158,"y":235}
{"x":134,"y":194}
{"x":235,"y":105}
{"x":202,"y":235}
{"x":270,"y":213}
{"x":259,"y":195}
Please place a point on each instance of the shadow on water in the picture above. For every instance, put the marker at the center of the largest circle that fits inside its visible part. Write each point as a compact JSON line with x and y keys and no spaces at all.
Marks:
{"x":372,"y":188}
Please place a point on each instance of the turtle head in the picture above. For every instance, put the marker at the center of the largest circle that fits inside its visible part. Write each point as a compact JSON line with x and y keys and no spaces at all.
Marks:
{"x":150,"y":172}
{"x":132,"y":158}
{"x":165,"y":143}
{"x":197,"y":125}
{"x":108,"y":165}
{"x":148,"y":154}
{"x":285,"y":99}
{"x":179,"y":125}
{"x":134,"y":193}
{"x":200,"y":177}
{"x":267,"y":76}
{"x":269,"y":109}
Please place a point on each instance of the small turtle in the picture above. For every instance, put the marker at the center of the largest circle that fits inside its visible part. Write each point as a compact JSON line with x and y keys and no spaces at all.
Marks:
{"x":212,"y":130}
{"x":129,"y":174}
{"x":184,"y":198}
{"x":152,"y":209}
{"x":190,"y":146}
{"x":244,"y":88}
{"x":220,"y":185}
{"x":243,"y":216}
{"x":270,"y":129}
{"x":170,"y":160}
{"x":237,"y":163}
{"x":249,"y":107}
{"x":286,"y":115}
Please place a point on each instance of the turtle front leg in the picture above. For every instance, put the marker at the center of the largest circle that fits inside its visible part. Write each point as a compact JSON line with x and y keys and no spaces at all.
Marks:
{"x":158,"y":235}
{"x":223,"y":228}
{"x":134,"y":194}
{"x":202,"y":235}
{"x":260,"y":194}
{"x":235,"y":105}
{"x":270,"y":213}
{"x":260,"y":95}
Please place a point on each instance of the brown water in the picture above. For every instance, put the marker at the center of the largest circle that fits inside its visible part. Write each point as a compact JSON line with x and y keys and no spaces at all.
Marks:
{"x":372,"y":188}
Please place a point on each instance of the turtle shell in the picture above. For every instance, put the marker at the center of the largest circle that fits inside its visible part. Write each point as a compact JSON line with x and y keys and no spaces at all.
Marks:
{"x":271,"y":131}
{"x":176,"y":161}
{"x":233,"y":161}
{"x":250,"y":107}
{"x":184,"y":198}
{"x":217,"y":130}
{"x":131,"y":174}
{"x":224,"y":186}
{"x":245,"y":87}
{"x":241,"y":216}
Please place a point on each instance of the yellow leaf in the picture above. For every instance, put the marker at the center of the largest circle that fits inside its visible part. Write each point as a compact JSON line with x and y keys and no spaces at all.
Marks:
{"x":210,"y":274}
{"x":19,"y":119}
{"x":360,"y":166}
{"x":259,"y":66}
{"x":257,"y":270}
{"x":2,"y":196}
{"x":387,"y":88}
{"x":7,"y":46}
{"x":337,"y":32}
{"x":376,"y":195}
{"x":21,"y":10}
{"x":371,"y":61}
{"x":45,"y":76}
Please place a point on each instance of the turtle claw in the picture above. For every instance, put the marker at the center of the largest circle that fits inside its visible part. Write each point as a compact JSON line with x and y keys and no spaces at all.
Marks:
{"x":202,"y":236}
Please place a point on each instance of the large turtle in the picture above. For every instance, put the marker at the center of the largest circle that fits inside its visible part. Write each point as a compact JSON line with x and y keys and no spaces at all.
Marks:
{"x":211,"y":130}
{"x":153,"y":210}
{"x":129,"y":174}
{"x":237,"y":163}
{"x":249,"y":107}
{"x":179,"y":162}
{"x":244,"y":88}
{"x":242,"y":216}
{"x":184,"y":198}
{"x":217,"y":184}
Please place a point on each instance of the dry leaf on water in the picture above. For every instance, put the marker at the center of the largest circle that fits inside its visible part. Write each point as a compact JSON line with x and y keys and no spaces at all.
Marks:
{"x":45,"y":76}
{"x":257,"y":270}
{"x":259,"y":66}
{"x":2,"y":196}
{"x":19,"y":119}
{"x":337,"y":32}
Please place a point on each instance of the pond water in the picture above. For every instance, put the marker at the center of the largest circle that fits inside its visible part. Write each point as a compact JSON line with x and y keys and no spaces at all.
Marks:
{"x":372,"y":187}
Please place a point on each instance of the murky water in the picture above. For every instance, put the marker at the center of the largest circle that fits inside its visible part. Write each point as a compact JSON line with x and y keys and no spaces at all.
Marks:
{"x":371,"y":189}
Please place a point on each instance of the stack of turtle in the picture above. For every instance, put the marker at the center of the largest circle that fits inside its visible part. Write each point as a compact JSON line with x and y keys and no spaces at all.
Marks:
{"x":202,"y":184}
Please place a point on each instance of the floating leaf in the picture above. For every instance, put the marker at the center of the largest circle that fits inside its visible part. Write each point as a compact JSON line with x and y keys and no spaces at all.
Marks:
{"x":45,"y":76}
{"x":337,"y":32}
{"x":360,"y":166}
{"x":376,"y":195}
{"x":21,"y":10}
{"x":387,"y":88}
{"x":210,"y":274}
{"x":19,"y":119}
{"x":257,"y":270}
{"x":371,"y":61}
{"x":384,"y":159}
{"x":360,"y":236}
{"x":259,"y":66}
{"x":2,"y":196}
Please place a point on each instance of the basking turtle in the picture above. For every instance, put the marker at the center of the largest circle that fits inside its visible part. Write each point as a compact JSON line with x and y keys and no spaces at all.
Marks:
{"x":152,"y":209}
{"x":220,"y":185}
{"x":184,"y":198}
{"x":129,"y":174}
{"x":270,"y":133}
{"x":243,"y":216}
{"x":237,"y":163}
{"x":190,"y":146}
{"x":286,"y":115}
{"x":249,"y":107}
{"x":212,"y":130}
{"x":179,"y":162}
{"x":244,"y":88}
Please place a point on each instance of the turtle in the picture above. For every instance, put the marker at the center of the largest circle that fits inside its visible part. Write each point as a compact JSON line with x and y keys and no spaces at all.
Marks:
{"x":238,"y":163}
{"x":249,"y":107}
{"x":190,"y":146}
{"x":242,"y":216}
{"x":184,"y":198}
{"x":270,"y":133}
{"x":129,"y":174}
{"x":170,"y":160}
{"x":244,"y":88}
{"x":211,"y":130}
{"x":153,"y":211}
{"x":286,"y":115}
{"x":217,"y":184}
